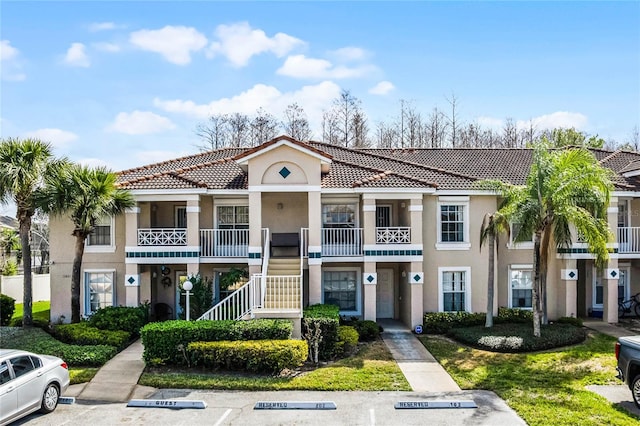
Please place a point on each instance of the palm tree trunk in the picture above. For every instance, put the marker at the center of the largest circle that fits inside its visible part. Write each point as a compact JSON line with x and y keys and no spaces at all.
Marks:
{"x":544,"y":260}
{"x":490,"y":282}
{"x":535,"y":295}
{"x":75,"y":279}
{"x":25,"y":227}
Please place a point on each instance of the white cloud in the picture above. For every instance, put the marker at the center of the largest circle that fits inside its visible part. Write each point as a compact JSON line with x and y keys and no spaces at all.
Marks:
{"x":175,"y":44}
{"x":57,"y":137}
{"x":314,"y":99}
{"x":93,"y":162}
{"x":299,"y":66}
{"x":101,"y":26}
{"x":349,"y":53}
{"x":107,"y":47}
{"x":556,"y":119}
{"x":382,"y":88}
{"x":77,"y":56}
{"x":491,"y":122}
{"x":140,"y":123}
{"x":11,"y":68}
{"x":239,"y":42}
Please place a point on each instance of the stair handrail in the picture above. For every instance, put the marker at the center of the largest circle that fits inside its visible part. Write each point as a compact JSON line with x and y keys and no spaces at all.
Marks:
{"x":241,"y":299}
{"x":265,"y":265}
{"x":303,"y":244}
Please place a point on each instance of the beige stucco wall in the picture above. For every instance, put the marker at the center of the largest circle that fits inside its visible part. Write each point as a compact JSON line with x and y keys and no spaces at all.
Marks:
{"x":293,"y":215}
{"x":296,"y":161}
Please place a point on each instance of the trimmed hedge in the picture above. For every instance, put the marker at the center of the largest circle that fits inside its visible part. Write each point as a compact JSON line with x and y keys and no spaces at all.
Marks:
{"x":327,"y":317}
{"x":576,"y":322}
{"x":512,"y":315}
{"x":347,"y":340}
{"x":83,"y":334}
{"x":258,"y":356}
{"x":443,"y":322}
{"x":518,"y":337}
{"x":115,"y":318}
{"x":368,"y":330}
{"x":7,"y":308}
{"x":37,"y":322}
{"x":164,"y":342}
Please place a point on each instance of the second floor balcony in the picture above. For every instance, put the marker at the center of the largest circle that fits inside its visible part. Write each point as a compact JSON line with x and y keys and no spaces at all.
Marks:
{"x":628,"y":239}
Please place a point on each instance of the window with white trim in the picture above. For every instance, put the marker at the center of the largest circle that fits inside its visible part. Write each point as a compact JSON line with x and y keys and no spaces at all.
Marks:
{"x":99,"y":290}
{"x":523,"y":240}
{"x":341,"y":287}
{"x":338,"y":215}
{"x":102,"y":234}
{"x":453,"y":223}
{"x":520,"y":286}
{"x":233,"y":217}
{"x":455,"y":289}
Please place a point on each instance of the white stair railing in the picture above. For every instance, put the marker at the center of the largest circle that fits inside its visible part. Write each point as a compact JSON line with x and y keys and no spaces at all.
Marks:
{"x":236,"y":306}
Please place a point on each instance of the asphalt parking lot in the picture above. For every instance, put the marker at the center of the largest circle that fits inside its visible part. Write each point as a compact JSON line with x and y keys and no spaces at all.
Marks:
{"x":237,"y":408}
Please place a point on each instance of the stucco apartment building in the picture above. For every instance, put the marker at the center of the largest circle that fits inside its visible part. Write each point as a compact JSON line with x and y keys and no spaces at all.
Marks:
{"x":383,"y":233}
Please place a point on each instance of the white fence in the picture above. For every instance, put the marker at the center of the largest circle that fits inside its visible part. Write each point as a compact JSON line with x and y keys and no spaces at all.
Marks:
{"x":12,"y":286}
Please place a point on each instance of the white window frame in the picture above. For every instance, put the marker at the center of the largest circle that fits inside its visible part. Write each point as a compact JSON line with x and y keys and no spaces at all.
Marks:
{"x":354,"y":205}
{"x":453,"y":201}
{"x":519,"y":245}
{"x":111,"y":248}
{"x":516,"y":267}
{"x":623,"y":207}
{"x":627,"y":274}
{"x":87,"y":303}
{"x":358,"y":272}
{"x":233,"y":205}
{"x":467,"y":285}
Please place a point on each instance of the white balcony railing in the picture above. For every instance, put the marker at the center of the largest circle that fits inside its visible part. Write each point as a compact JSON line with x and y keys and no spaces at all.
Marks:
{"x":393,"y":235}
{"x":281,"y":292}
{"x":224,"y":242}
{"x":629,"y":240}
{"x":341,"y":242}
{"x":162,"y":237}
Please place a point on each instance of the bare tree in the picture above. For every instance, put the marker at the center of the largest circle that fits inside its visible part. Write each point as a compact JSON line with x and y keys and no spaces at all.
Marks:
{"x":385,"y":135}
{"x":409,"y":126}
{"x":295,"y":123}
{"x":634,"y":138}
{"x":436,"y":128}
{"x":360,"y":130}
{"x":345,"y":107}
{"x":528,"y":135}
{"x":264,"y":127}
{"x":454,"y":123}
{"x":214,"y":133}
{"x":330,"y":132}
{"x":239,"y":129}
{"x":510,"y":134}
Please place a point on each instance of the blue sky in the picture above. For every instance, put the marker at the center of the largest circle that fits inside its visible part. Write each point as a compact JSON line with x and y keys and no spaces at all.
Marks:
{"x":125,"y":83}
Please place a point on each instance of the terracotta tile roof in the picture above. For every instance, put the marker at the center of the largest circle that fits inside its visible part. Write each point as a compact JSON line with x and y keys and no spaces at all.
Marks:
{"x":443,"y":168}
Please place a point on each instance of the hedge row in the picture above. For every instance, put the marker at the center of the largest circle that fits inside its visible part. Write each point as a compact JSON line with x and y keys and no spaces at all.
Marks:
{"x":443,"y":322}
{"x":326,"y":318}
{"x":347,"y":340}
{"x":271,"y":356}
{"x":368,"y":330}
{"x":165,"y":342}
{"x":7,"y":307}
{"x":83,"y":333}
{"x":115,"y":318}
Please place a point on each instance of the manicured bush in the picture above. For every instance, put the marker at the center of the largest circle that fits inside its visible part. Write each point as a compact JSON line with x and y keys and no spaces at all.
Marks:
{"x":512,"y":315}
{"x":10,"y":268}
{"x":84,"y":334}
{"x":113,"y":318}
{"x":347,"y":340}
{"x":442,"y":322}
{"x":576,"y":322}
{"x":7,"y":307}
{"x":259,"y":356}
{"x":164,"y":342}
{"x":368,"y":330}
{"x":326,"y":318}
{"x":37,"y":322}
{"x":518,"y":337}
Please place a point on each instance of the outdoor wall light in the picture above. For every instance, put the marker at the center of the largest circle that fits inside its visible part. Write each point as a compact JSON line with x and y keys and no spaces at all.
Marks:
{"x":280,"y":206}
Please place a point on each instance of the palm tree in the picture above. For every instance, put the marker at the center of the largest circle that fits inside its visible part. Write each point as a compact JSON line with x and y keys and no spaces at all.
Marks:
{"x":492,"y":226}
{"x":564,"y":187}
{"x":24,"y":163}
{"x":86,"y":195}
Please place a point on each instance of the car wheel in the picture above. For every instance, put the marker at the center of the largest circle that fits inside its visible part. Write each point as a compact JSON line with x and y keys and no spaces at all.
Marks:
{"x":635,"y":390}
{"x":51,"y":396}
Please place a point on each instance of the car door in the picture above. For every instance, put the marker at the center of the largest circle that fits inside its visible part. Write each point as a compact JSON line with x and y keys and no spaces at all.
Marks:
{"x":8,"y":394}
{"x":29,"y":382}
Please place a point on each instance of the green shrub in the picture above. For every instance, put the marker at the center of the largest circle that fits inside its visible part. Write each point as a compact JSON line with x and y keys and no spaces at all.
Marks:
{"x":162,"y":340}
{"x":114,"y":318}
{"x":368,"y":330}
{"x":347,"y":340}
{"x":200,"y":299}
{"x":258,"y":356}
{"x":576,"y":322}
{"x":7,"y":307}
{"x":37,"y":322}
{"x":518,"y":337}
{"x":84,"y":334}
{"x":512,"y":315}
{"x":322,"y":311}
{"x":442,"y":322}
{"x":10,"y":268}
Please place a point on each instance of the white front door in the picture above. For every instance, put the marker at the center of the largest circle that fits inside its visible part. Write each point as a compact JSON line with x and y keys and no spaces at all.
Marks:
{"x":384,"y":294}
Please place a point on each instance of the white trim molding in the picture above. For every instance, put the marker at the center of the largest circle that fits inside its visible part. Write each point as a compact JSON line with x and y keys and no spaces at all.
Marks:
{"x":132,"y":280}
{"x":369,"y":208}
{"x":415,"y":208}
{"x":370,"y":278}
{"x":132,"y":210}
{"x":416,"y":277}
{"x":284,"y":188}
{"x":569,"y":274}
{"x":467,"y":285}
{"x":193,"y":209}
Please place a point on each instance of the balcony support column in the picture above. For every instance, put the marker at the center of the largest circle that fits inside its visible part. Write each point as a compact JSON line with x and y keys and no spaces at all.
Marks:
{"x":369,"y":286}
{"x":132,"y":293}
{"x":415,"y":212}
{"x":131,"y":226}
{"x":569,"y":280}
{"x":193,"y":223}
{"x":369,"y":220}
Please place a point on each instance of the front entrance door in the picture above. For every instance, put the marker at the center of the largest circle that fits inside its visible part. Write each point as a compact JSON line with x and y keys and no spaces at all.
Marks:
{"x":384,"y":294}
{"x":383,"y":216}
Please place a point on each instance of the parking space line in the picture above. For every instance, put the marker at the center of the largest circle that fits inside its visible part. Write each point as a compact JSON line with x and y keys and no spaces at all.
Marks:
{"x":224,"y":416}
{"x":372,"y":416}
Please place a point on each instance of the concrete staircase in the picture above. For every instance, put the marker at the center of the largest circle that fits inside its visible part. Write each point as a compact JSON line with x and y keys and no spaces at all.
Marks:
{"x":283,"y":285}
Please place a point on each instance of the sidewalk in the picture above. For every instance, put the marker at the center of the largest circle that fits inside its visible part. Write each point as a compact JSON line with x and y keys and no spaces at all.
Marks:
{"x":609,"y":329}
{"x":421,"y":369}
{"x":117,"y":380}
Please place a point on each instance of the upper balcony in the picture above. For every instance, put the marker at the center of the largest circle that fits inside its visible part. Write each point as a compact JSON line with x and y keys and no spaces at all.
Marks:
{"x":628,"y":239}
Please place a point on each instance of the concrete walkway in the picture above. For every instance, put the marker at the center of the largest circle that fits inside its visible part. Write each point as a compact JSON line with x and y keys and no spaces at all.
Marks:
{"x":117,"y":380}
{"x":421,"y":369}
{"x":609,"y":329}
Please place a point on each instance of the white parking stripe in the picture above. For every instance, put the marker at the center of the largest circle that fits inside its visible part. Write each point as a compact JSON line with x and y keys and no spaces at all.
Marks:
{"x":372,"y":417}
{"x":224,"y":416}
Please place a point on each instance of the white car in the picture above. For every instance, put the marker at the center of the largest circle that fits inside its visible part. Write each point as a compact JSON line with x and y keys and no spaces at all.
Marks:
{"x":29,"y":382}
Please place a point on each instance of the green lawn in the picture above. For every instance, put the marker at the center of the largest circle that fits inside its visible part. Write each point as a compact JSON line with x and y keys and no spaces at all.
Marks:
{"x":40,"y":309}
{"x":542,"y":387}
{"x":371,"y":369}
